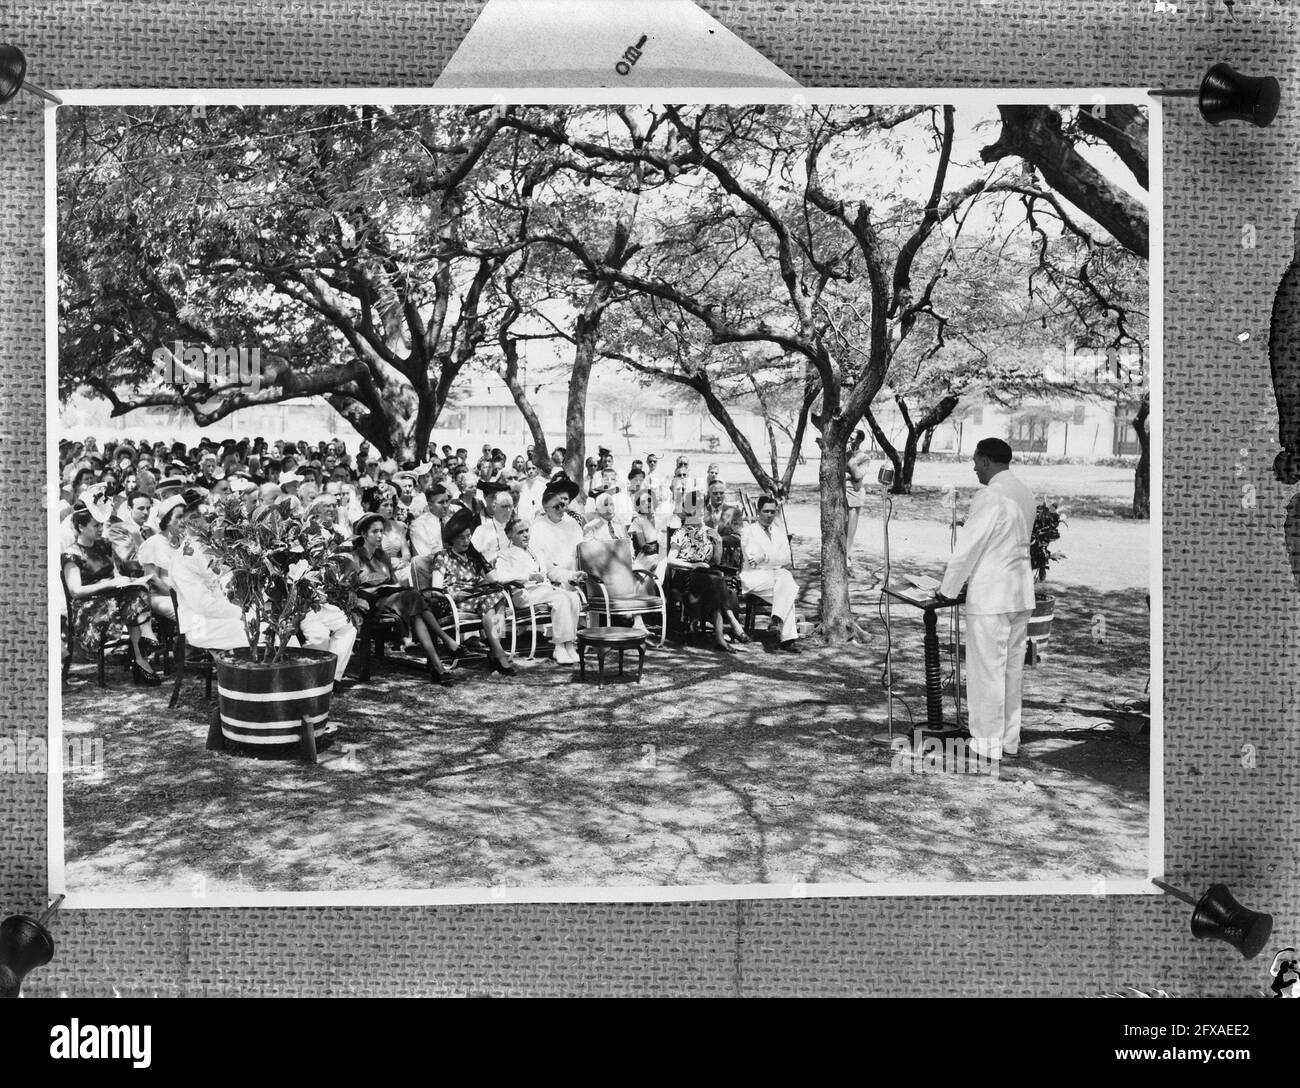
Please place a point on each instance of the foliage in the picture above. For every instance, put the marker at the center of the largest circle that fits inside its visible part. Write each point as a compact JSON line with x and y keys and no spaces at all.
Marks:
{"x":1046,"y":532}
{"x":282,"y":565}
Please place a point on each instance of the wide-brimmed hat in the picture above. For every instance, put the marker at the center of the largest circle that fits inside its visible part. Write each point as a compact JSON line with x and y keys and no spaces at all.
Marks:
{"x":193,"y":498}
{"x":288,"y":478}
{"x":95,"y":499}
{"x":364,"y":522}
{"x":560,"y":485}
{"x":459,"y":521}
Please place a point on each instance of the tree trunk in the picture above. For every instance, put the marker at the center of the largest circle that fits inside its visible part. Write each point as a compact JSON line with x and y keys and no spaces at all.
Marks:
{"x":1142,"y":478}
{"x":520,"y":396}
{"x":929,"y":437}
{"x":923,"y":427}
{"x":586,"y":329}
{"x":837,"y":622}
{"x":910,"y":445}
{"x":718,"y":411}
{"x":887,"y":448}
{"x":1034,"y":134}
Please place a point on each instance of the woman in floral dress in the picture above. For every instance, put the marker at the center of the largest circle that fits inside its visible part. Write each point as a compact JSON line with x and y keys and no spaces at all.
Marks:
{"x":107,"y":605}
{"x":460,"y":572}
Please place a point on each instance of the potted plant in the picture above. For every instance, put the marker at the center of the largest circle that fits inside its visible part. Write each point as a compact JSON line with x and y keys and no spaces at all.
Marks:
{"x":1045,"y":533}
{"x":279,"y":564}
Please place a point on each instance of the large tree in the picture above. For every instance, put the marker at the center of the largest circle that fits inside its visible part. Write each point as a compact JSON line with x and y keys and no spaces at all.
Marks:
{"x":1052,"y":144}
{"x":353,"y":243}
{"x":776,"y":238}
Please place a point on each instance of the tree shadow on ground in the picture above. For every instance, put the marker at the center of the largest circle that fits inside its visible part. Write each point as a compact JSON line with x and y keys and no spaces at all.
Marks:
{"x":714,"y":770}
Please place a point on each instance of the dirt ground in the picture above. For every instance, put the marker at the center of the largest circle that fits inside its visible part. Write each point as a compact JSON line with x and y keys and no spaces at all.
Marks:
{"x":713,"y":770}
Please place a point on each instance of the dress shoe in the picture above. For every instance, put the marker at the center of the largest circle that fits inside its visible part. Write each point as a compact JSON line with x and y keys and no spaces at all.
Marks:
{"x":724,"y":648}
{"x":341,"y":687}
{"x":505,"y":670}
{"x":147,"y":677}
{"x":791,"y":646}
{"x":441,"y":676}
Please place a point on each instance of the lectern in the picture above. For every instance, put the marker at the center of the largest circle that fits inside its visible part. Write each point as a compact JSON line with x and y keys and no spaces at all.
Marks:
{"x":934,"y":725}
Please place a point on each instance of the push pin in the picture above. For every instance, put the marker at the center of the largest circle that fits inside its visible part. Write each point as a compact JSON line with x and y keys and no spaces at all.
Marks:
{"x":13,"y":67}
{"x":1226,"y":95}
{"x":1221,"y":917}
{"x":25,"y":944}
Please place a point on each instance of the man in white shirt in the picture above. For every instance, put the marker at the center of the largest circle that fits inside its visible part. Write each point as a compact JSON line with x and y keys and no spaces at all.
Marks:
{"x":767,"y":570}
{"x":425,"y":535}
{"x":992,"y":562}
{"x":491,"y":536}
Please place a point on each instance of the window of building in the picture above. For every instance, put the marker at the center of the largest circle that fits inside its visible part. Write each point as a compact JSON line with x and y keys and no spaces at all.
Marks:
{"x":658,"y":422}
{"x":1126,"y":440}
{"x":1029,"y":434}
{"x":1078,"y":415}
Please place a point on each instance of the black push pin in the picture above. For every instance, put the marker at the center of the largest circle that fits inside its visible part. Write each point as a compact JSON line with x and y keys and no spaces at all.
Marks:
{"x":25,"y":944}
{"x":13,"y":67}
{"x":1226,"y":95}
{"x":1221,"y":917}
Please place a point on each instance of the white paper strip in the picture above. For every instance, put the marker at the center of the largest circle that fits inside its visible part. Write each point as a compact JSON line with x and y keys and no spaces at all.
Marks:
{"x":604,"y":43}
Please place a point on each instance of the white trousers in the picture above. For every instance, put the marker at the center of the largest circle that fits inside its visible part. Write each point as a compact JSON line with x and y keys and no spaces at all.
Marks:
{"x":328,"y":628}
{"x":777,"y":586}
{"x":995,"y":670}
{"x":566,"y":607}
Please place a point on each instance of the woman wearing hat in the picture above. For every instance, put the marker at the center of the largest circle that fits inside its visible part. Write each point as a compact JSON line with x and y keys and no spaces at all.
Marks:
{"x":156,"y":555}
{"x":377,"y":586}
{"x":109,"y":604}
{"x":460,"y":571}
{"x":555,"y":535}
{"x":396,"y":542}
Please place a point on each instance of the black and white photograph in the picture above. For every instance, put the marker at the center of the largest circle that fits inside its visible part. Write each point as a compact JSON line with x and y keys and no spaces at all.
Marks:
{"x":459,"y":500}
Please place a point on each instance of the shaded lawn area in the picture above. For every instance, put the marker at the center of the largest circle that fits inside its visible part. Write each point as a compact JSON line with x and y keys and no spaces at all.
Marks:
{"x":750,"y":769}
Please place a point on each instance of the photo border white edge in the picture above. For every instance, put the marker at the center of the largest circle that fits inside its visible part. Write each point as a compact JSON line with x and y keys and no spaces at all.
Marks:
{"x":1099,"y":886}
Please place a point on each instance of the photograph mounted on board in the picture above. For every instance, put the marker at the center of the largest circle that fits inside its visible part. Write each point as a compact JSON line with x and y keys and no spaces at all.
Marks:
{"x":610,"y":501}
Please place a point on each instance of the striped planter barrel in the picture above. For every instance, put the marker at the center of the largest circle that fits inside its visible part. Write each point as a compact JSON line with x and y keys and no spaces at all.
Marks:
{"x":264,"y":705}
{"x":1040,"y":625}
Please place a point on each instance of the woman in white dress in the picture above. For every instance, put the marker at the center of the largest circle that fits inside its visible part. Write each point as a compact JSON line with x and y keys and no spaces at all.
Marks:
{"x":649,"y":542}
{"x":157,"y":554}
{"x":556,"y":536}
{"x":516,"y":563}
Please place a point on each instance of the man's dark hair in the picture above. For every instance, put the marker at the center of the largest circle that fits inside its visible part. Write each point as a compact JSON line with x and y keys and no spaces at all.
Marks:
{"x":995,"y":450}
{"x":131,"y":496}
{"x":764,"y":500}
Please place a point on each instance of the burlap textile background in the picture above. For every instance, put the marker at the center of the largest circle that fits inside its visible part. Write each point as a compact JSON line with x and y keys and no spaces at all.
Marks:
{"x":1231,"y":646}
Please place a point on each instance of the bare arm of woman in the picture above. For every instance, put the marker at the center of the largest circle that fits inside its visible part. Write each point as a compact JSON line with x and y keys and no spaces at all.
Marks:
{"x":78,"y":590}
{"x":158,"y":581}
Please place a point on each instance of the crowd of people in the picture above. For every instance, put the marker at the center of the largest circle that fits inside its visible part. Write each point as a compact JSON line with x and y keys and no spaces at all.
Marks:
{"x":481,"y":530}
{"x":491,"y":533}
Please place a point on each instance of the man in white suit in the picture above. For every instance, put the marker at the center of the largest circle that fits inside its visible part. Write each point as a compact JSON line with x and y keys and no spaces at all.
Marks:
{"x":992,"y":561}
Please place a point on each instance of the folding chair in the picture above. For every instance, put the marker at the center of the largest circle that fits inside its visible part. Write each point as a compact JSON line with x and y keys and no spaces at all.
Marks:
{"x":616,"y":588}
